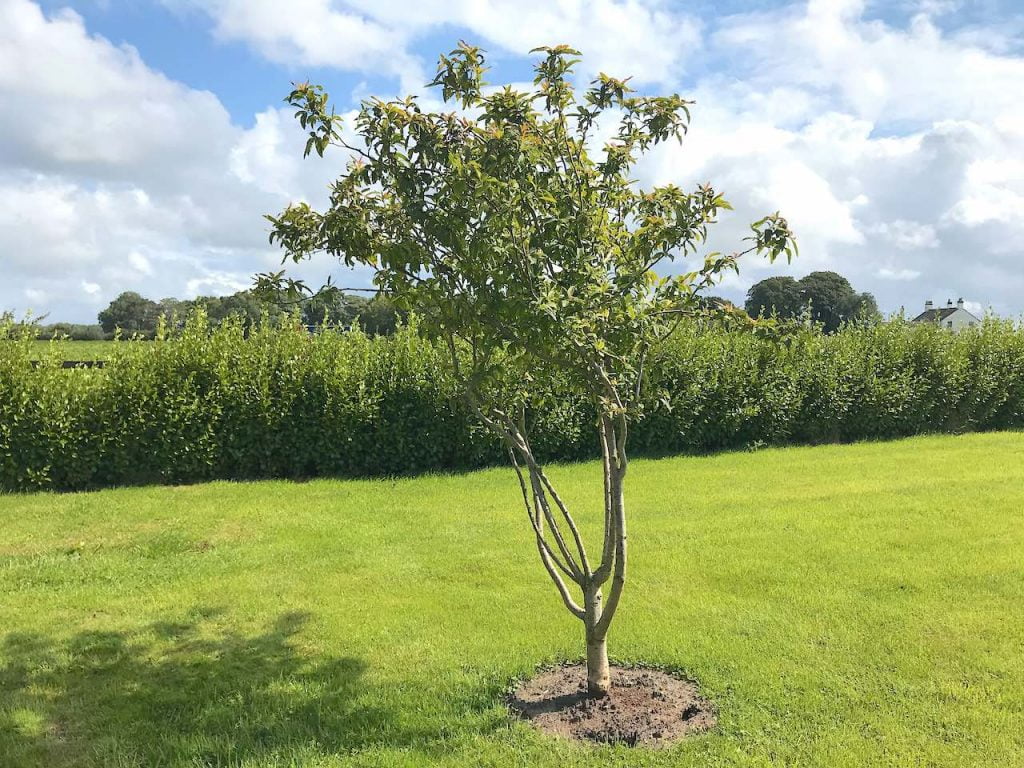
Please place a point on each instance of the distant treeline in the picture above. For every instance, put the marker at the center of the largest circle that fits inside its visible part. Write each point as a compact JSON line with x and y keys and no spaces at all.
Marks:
{"x":825,"y":298}
{"x":135,"y":315}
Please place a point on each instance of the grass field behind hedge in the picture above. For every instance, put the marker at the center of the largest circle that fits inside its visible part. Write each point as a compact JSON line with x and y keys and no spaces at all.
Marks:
{"x":842,"y":606}
{"x":76,"y":350}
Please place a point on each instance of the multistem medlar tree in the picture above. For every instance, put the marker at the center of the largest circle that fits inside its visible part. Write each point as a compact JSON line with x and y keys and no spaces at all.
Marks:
{"x":530,"y":257}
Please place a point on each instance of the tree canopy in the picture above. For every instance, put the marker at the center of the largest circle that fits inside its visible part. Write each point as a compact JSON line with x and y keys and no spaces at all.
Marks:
{"x":529,"y":253}
{"x":377,"y":316}
{"x":828,"y":297}
{"x":135,"y":314}
{"x":833,"y":301}
{"x":779,"y":296}
{"x":502,"y":231}
{"x":130,"y":312}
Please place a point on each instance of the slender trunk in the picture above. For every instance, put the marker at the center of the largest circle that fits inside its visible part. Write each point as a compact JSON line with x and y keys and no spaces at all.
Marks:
{"x":598,"y":675}
{"x":537,"y":492}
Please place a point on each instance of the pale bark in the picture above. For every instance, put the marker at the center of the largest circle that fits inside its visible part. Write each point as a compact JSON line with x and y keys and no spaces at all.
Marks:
{"x":567,"y":557}
{"x":598,"y":617}
{"x":598,"y":674}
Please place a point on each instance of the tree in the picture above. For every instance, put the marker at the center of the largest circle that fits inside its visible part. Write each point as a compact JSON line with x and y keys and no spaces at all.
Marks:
{"x":245,"y":305}
{"x":832,"y":300}
{"x":74,"y":331}
{"x":828,"y":295}
{"x":174,"y":311}
{"x":863,"y":307}
{"x":527,"y":256}
{"x":333,"y":308}
{"x":380,"y":316}
{"x":377,"y":316}
{"x":131,"y":313}
{"x":779,"y":296}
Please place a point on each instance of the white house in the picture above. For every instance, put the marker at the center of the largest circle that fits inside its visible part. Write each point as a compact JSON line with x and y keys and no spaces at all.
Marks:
{"x":954,"y":318}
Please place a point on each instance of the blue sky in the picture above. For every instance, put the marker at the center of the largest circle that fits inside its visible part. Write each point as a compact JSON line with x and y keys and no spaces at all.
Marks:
{"x":146,"y":138}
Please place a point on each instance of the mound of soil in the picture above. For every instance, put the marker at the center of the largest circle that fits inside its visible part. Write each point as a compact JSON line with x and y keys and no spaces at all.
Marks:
{"x":646,"y":707}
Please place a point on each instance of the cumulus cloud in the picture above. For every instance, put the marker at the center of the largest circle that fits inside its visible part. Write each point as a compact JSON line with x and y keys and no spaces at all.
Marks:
{"x":313,"y":33}
{"x":898,"y":274}
{"x":907,"y":235}
{"x":894,"y":153}
{"x":876,"y":71}
{"x":649,"y":40}
{"x":894,"y":148}
{"x":75,"y":103}
{"x":113,"y":177}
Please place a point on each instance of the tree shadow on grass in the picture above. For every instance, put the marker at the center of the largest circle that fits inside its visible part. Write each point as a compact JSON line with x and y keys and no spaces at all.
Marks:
{"x":184,"y":693}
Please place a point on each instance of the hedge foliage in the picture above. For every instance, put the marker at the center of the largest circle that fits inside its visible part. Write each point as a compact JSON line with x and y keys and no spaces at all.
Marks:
{"x":278,"y":402}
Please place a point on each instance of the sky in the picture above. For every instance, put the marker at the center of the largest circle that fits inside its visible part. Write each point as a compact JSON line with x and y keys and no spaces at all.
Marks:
{"x":142,"y":141}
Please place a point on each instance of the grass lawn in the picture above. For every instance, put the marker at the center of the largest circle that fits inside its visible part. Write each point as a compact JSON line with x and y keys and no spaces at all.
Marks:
{"x":842,"y":606}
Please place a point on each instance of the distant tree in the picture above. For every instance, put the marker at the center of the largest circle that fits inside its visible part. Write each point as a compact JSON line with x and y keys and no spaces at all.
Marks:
{"x":131,"y":313}
{"x":333,"y":308}
{"x":714,"y":302}
{"x":778,"y":296}
{"x":74,"y":331}
{"x":528,"y":259}
{"x":247,"y":306}
{"x":377,"y":316}
{"x":864,"y":308}
{"x":381,"y":317}
{"x":833,"y":301}
{"x":829,"y":295}
{"x":174,"y":311}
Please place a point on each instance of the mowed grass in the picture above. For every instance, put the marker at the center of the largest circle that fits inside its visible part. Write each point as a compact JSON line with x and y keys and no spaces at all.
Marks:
{"x":842,"y":606}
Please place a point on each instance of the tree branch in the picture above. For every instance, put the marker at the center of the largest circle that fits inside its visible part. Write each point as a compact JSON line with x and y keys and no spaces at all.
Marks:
{"x":546,"y":556}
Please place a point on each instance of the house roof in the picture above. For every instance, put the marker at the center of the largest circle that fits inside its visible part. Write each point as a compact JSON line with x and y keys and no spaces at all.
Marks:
{"x":938,"y":315}
{"x":935,"y":315}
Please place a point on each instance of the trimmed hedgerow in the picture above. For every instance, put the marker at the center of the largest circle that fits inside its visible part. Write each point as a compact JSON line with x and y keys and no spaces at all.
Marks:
{"x":227,"y":402}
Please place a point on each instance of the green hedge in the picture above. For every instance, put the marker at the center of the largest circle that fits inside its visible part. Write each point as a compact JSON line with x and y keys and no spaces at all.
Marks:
{"x":278,"y":402}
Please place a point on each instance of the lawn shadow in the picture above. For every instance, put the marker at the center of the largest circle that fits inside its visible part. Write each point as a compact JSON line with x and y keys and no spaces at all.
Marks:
{"x":184,"y":693}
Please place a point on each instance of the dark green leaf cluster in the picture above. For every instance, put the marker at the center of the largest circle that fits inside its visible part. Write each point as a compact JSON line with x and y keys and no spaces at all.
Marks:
{"x":824,"y":298}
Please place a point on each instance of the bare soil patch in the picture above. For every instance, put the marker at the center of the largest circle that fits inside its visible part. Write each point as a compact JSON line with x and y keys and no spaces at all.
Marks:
{"x":646,"y":707}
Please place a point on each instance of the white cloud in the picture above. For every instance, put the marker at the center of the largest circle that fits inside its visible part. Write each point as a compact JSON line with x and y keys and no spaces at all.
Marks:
{"x":623,"y":37}
{"x":649,"y":40}
{"x":140,"y":263}
{"x":907,"y":235}
{"x":69,"y":102}
{"x":35,"y":295}
{"x":216,"y":284}
{"x":894,"y":151}
{"x":898,"y":274}
{"x":314,"y":33}
{"x":876,"y":71}
{"x":268,"y":157}
{"x":113,"y":177}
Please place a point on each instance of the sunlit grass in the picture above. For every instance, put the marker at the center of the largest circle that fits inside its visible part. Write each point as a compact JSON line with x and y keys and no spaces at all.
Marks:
{"x":842,"y":606}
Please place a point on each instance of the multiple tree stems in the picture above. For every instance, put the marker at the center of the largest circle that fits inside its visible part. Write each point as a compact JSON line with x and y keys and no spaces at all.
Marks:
{"x":565,"y":556}
{"x":518,"y":245}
